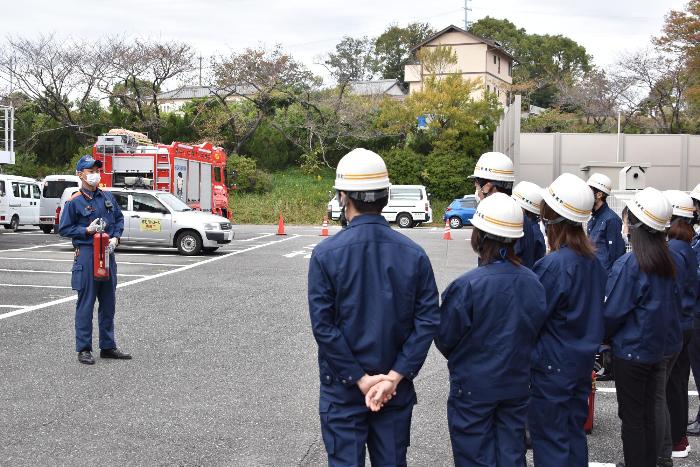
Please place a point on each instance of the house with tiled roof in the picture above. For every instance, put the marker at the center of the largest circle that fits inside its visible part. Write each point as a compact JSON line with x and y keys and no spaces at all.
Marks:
{"x":477,"y":58}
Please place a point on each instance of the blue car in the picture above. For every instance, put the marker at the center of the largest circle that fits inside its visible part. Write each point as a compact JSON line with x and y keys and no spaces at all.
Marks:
{"x":460,"y":212}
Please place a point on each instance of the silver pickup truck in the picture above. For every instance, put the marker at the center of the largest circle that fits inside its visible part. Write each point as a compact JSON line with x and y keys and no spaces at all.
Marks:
{"x":162,"y":219}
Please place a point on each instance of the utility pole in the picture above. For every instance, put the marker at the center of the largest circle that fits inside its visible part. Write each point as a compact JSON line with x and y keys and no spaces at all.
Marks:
{"x":200,"y":69}
{"x":467,"y":9}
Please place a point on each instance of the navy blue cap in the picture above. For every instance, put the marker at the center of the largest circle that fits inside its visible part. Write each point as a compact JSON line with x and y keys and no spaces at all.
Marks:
{"x":87,"y":162}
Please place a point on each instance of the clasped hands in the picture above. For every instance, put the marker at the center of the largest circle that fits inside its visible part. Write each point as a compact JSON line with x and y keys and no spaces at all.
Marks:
{"x":379,"y":389}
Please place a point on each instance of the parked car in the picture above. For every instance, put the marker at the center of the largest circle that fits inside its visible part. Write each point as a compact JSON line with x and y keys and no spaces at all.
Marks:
{"x":408,"y":205}
{"x":460,"y":212}
{"x":51,"y":192}
{"x":19,"y":201}
{"x":162,"y":219}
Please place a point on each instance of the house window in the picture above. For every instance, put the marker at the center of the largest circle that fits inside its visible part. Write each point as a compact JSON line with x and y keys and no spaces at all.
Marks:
{"x":499,"y":65}
{"x":510,"y":68}
{"x":494,"y":59}
{"x":488,"y":88}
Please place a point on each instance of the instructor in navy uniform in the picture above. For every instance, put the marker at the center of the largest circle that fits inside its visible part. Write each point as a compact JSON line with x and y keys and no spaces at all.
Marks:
{"x":91,"y":210}
{"x":373,"y":304}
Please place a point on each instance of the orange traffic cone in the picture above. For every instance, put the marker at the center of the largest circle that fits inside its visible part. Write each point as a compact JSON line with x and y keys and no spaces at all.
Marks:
{"x":280,"y":226}
{"x":324,"y":229}
{"x":448,"y":232}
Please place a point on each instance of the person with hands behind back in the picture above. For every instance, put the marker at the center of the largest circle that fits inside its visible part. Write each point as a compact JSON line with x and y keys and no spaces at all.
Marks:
{"x":373,"y":305}
{"x":88,"y":212}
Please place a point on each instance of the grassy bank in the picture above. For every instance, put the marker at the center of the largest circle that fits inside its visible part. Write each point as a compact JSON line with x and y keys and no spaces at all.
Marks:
{"x":301,"y":198}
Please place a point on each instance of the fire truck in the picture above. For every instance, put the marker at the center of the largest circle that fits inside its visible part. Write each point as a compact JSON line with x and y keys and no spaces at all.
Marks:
{"x":194,"y":173}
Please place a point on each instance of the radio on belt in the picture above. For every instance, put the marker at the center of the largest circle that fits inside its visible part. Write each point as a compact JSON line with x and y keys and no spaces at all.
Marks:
{"x":100,"y":255}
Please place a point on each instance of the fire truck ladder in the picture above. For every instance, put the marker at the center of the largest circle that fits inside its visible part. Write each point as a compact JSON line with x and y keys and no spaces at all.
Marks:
{"x":164,"y":176}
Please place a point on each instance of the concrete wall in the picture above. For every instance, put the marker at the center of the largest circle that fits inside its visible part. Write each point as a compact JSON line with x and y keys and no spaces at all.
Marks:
{"x":674,"y":159}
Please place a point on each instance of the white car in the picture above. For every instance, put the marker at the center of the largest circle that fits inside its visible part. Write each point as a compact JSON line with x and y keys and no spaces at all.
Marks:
{"x":159,"y":218}
{"x":408,"y":205}
{"x":19,"y":201}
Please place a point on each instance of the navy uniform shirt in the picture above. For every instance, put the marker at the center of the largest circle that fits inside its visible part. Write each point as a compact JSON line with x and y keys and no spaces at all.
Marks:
{"x":373,"y":304}
{"x":687,"y":275}
{"x":490,"y":319}
{"x":83,"y":208}
{"x":605,"y":232}
{"x":695,"y":245}
{"x":525,"y":245}
{"x":573,"y":331}
{"x":641,"y":312}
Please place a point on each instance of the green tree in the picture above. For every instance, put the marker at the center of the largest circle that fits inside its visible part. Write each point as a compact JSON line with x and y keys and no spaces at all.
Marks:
{"x":352,"y":60}
{"x":459,"y":125}
{"x":544,"y":62}
{"x":393,"y":48}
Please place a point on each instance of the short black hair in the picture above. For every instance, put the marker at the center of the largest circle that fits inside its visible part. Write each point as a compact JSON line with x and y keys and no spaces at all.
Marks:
{"x":363,"y":207}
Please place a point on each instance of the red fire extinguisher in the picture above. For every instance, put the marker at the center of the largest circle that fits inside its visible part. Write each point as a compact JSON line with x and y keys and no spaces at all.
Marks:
{"x":588,"y":426}
{"x":100,"y":256}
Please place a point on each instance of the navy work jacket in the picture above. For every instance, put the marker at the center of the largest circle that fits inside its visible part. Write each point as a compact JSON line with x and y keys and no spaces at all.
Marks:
{"x":490,"y":318}
{"x":374,"y":307}
{"x":605,"y":232}
{"x":573,"y":331}
{"x":83,"y":208}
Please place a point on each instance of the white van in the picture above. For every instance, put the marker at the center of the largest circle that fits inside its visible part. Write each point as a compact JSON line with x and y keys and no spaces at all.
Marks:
{"x":19,"y":201}
{"x":408,"y":206}
{"x":51,"y":191}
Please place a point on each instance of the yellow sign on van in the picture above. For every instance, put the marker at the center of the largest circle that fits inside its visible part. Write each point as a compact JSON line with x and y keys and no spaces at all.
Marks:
{"x":150,"y":225}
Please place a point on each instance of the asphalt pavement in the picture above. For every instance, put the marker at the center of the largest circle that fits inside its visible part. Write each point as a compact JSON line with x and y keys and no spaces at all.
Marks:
{"x":224,"y":369}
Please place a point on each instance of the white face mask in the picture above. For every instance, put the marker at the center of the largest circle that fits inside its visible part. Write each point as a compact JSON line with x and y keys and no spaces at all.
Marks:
{"x":93,"y":179}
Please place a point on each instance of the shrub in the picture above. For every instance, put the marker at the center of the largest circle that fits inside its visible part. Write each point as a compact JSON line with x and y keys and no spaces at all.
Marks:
{"x":405,"y":166}
{"x":445,"y":174}
{"x":250,"y":178}
{"x":269,"y":149}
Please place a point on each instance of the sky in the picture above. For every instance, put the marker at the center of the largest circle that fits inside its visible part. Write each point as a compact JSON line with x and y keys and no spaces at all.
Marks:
{"x":310,"y":28}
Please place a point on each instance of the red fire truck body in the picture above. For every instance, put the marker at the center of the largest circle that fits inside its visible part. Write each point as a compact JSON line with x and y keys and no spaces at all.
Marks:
{"x":193,"y":173}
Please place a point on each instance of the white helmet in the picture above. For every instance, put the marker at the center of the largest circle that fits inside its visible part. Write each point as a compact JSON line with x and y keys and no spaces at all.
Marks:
{"x":600,"y":182}
{"x":499,"y":215}
{"x":570,"y":197}
{"x":695,"y":194}
{"x":681,"y":203}
{"x":652,"y":208}
{"x":528,"y":196}
{"x":494,"y":166}
{"x":361,"y":170}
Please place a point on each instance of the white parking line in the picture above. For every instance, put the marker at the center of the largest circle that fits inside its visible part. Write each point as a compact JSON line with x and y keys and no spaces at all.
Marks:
{"x":23,"y":233}
{"x":613,"y":391}
{"x":256,"y":238}
{"x":36,"y":286}
{"x":61,"y":272}
{"x":36,"y":247}
{"x":70,"y":261}
{"x":40,"y":306}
